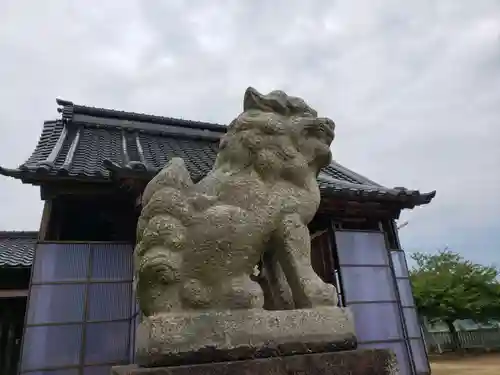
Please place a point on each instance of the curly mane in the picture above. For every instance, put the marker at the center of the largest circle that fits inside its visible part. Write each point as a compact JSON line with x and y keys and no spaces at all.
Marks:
{"x":274,"y":136}
{"x":265,"y":141}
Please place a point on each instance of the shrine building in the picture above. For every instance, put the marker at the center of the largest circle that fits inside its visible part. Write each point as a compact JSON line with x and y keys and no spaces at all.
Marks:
{"x":91,"y":166}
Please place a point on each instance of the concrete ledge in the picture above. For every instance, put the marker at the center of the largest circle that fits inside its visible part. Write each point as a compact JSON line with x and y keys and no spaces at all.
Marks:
{"x":201,"y":337}
{"x":353,"y":362}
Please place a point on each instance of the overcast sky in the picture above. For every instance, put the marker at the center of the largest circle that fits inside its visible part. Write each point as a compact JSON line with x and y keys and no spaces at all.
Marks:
{"x":414,"y":87}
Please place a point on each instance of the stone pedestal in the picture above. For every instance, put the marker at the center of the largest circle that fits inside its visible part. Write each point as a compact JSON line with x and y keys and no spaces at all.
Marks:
{"x":352,"y":362}
{"x":189,"y":338}
{"x":254,"y":342}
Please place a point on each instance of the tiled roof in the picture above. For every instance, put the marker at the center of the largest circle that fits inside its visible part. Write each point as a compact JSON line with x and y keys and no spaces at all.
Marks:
{"x":332,"y":187}
{"x":97,"y":144}
{"x":17,"y":248}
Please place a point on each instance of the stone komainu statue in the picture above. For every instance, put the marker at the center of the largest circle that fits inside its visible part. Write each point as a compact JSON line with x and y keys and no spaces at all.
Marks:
{"x":198,"y":243}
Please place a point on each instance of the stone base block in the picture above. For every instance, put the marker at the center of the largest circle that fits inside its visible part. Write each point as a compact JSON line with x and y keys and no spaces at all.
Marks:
{"x":352,"y":362}
{"x":217,"y":336}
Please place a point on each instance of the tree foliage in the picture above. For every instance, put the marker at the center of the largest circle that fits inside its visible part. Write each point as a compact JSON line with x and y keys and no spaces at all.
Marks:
{"x":448,"y":287}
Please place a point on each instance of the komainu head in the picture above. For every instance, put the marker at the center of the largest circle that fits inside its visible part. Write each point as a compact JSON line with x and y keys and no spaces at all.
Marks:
{"x":278,"y":135}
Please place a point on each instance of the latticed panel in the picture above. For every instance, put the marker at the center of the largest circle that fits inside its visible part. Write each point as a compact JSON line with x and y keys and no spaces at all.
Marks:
{"x":81,"y":312}
{"x":370,"y":291}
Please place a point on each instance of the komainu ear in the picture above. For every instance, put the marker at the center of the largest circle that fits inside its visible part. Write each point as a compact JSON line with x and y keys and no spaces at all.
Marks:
{"x":252,"y":99}
{"x":276,"y":101}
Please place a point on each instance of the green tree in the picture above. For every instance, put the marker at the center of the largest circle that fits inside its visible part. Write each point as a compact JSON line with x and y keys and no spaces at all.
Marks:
{"x":448,"y":287}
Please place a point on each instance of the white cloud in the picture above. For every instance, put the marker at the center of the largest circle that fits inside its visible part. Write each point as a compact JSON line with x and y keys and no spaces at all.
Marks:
{"x":413,"y":86}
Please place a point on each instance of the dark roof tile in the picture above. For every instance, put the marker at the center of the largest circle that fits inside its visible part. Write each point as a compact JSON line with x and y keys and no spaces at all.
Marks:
{"x":17,"y":249}
{"x":93,"y":143}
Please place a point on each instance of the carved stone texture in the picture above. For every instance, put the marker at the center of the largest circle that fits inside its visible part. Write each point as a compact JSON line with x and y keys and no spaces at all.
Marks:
{"x":353,"y":362}
{"x":199,"y":243}
{"x":198,"y":337}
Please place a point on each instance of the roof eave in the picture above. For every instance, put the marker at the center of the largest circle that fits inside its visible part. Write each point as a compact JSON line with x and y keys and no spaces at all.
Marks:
{"x":403,"y":201}
{"x":38,"y":178}
{"x":406,"y":200}
{"x":14,"y":173}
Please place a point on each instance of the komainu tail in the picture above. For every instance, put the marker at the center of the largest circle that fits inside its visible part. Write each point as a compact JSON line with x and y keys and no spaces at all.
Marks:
{"x":161,"y":235}
{"x":174,"y":175}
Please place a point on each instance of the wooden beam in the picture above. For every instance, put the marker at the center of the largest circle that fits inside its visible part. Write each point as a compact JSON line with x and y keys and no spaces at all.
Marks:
{"x":346,"y":208}
{"x":10,"y":293}
{"x":44,"y":223}
{"x":53,"y":190}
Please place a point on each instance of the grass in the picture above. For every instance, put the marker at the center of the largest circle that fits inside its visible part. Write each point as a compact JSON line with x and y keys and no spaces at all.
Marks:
{"x":476,"y":364}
